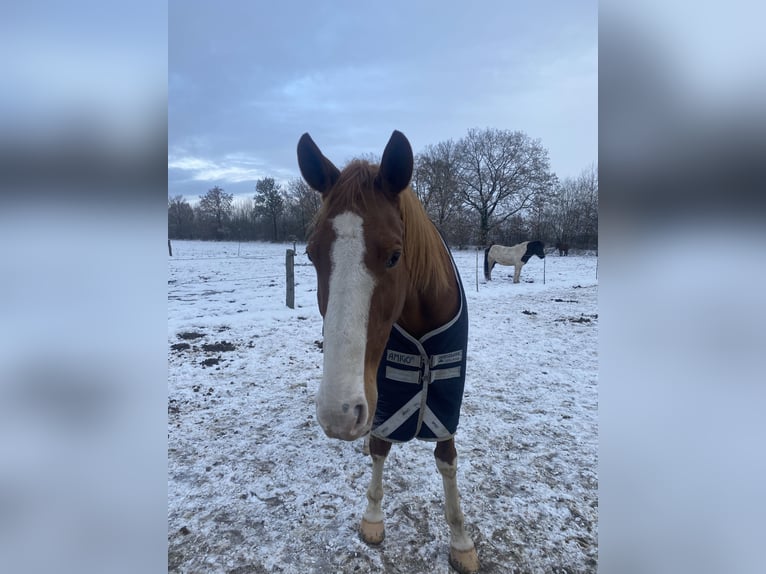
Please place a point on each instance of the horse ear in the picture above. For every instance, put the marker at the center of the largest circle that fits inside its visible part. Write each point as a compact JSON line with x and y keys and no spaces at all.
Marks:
{"x":318,"y":171}
{"x":396,"y":166}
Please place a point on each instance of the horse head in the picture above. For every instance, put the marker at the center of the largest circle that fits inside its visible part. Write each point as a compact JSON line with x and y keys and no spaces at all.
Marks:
{"x":536,"y":248}
{"x":357,"y":251}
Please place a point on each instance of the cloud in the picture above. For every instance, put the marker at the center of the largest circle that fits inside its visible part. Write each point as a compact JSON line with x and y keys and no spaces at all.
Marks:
{"x":190,"y":174}
{"x":233,"y":169}
{"x":321,"y":72}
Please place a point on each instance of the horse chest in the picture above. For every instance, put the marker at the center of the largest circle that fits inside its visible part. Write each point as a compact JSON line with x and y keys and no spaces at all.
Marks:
{"x":421,"y":382}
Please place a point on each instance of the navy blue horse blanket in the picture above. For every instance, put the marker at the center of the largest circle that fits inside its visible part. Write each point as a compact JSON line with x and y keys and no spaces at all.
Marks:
{"x":421,"y":381}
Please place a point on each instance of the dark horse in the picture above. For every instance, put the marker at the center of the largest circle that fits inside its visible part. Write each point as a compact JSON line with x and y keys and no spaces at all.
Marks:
{"x":563,"y":248}
{"x":517,"y":255}
{"x":386,"y":283}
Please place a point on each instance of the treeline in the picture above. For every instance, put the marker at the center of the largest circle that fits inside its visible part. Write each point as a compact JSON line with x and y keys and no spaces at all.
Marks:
{"x":491,"y":186}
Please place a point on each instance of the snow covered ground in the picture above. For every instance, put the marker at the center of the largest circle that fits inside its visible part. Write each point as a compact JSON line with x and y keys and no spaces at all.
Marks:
{"x":255,"y":486}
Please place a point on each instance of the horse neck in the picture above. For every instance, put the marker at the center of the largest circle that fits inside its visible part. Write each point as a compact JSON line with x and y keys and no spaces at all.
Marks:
{"x":425,"y":310}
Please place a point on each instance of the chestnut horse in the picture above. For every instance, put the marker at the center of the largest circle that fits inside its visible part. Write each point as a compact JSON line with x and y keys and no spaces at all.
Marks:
{"x":386,"y":282}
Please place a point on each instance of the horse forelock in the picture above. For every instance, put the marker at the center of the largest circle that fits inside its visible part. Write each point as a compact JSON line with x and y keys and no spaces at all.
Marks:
{"x":350,"y":193}
{"x":352,"y":190}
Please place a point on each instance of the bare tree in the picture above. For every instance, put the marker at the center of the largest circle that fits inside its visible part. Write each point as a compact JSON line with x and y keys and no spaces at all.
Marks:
{"x":589,"y":192}
{"x":305,"y":204}
{"x":563,"y":213}
{"x":243,"y":218}
{"x":536,"y":215}
{"x":180,"y":218}
{"x":500,"y":172}
{"x":573,"y":213}
{"x":368,"y":156}
{"x":435,"y":182}
{"x":269,"y":203}
{"x":215,"y":207}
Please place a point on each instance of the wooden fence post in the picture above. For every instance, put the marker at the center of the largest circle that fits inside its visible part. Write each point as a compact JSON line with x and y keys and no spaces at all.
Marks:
{"x":170,"y":249}
{"x":290,"y":273}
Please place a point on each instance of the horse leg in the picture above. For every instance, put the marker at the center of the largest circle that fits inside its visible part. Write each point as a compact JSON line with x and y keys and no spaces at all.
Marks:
{"x":462,"y":552}
{"x":516,"y":273}
{"x":372,"y":529}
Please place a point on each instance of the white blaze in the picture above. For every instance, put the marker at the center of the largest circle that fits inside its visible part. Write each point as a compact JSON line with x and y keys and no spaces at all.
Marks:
{"x":346,"y":318}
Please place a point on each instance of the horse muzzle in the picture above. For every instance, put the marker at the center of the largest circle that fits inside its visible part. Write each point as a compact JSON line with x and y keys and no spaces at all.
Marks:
{"x":345,"y":421}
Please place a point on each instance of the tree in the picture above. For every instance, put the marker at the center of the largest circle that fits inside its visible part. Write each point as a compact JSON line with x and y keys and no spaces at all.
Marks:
{"x":215,"y":209}
{"x":573,"y":213}
{"x":243,"y":219}
{"x":305,"y":203}
{"x":538,"y":224}
{"x":269,"y":203}
{"x":589,"y":192}
{"x":180,"y":218}
{"x":564,"y":211}
{"x":435,"y":182}
{"x":499,"y":173}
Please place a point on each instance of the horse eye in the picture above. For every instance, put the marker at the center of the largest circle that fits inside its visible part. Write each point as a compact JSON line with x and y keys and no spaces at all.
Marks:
{"x":394,"y":259}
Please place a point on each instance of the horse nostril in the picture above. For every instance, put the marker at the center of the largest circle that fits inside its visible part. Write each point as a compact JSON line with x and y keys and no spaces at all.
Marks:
{"x":360,"y":411}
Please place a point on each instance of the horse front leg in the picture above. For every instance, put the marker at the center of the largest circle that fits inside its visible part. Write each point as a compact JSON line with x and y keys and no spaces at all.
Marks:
{"x":516,"y":273}
{"x":372,"y":529}
{"x":462,"y":552}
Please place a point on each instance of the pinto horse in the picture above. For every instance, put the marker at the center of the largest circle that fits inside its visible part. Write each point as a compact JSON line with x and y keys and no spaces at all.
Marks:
{"x":563,"y":248}
{"x":516,"y":255}
{"x":395,"y":323}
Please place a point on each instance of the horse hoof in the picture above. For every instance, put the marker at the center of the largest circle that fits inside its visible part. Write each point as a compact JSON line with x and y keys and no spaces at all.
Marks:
{"x":464,"y":561}
{"x":372,"y":532}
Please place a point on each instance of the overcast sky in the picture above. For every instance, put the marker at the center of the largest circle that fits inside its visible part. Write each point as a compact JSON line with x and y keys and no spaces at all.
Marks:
{"x":247,"y":78}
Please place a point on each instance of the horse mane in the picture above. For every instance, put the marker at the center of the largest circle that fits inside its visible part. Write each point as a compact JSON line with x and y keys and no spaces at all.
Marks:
{"x":428,"y":271}
{"x":422,"y":242}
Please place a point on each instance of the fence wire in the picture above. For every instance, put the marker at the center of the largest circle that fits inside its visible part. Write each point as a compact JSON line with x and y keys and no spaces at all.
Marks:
{"x":210,"y":281}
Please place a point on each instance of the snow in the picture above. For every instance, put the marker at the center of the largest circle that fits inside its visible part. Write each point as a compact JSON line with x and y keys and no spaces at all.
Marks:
{"x":255,"y":486}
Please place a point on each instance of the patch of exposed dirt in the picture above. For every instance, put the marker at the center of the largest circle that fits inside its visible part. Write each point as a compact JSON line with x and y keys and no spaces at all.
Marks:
{"x":581,"y":319}
{"x":221,"y":347}
{"x":180,"y":346}
{"x":190,"y":335}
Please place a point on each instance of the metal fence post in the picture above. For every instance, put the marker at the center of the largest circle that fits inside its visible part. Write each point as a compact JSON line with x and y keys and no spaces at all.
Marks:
{"x":477,"y":269}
